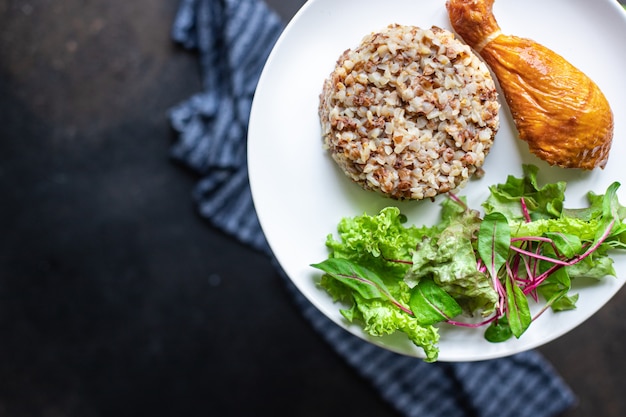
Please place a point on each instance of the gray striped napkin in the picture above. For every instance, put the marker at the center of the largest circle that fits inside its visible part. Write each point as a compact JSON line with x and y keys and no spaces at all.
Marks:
{"x":233,"y":38}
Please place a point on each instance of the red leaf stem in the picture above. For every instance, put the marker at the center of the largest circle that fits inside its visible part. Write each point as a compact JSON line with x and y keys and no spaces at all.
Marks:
{"x":525,"y":210}
{"x":539,"y":256}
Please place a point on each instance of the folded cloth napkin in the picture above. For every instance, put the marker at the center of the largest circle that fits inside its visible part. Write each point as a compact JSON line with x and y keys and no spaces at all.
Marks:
{"x":234,"y":38}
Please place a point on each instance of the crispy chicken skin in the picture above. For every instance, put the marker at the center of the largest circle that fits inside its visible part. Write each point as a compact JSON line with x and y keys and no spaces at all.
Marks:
{"x":558,"y":110}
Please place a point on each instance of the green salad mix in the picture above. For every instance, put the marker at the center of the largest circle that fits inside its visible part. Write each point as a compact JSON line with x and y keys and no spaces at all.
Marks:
{"x":469,"y":269}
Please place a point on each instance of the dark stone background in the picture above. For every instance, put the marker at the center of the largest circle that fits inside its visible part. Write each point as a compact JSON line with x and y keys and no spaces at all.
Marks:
{"x":116,"y":299}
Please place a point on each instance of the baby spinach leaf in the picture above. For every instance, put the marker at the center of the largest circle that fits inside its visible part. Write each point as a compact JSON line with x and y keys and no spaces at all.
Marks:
{"x":431,"y":304}
{"x":498,"y":331}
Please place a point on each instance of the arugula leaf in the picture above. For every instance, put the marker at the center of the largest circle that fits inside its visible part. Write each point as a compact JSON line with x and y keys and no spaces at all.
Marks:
{"x":564,"y":303}
{"x":555,"y":288}
{"x":541,"y":202}
{"x":557,"y":298}
{"x":613,"y":213}
{"x":596,"y":266}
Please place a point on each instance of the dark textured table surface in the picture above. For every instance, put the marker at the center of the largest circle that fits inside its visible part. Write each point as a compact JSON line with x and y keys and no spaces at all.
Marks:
{"x":116,"y":299}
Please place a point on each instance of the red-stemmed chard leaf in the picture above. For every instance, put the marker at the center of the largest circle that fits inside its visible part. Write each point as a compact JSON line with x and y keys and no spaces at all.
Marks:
{"x":362,"y":280}
{"x":494,"y":241}
{"x":517,"y":310}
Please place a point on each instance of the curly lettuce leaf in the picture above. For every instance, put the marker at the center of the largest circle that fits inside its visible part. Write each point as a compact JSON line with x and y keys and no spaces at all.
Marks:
{"x":381,"y":318}
{"x":585,"y":230}
{"x":376,"y":244}
{"x":373,"y":241}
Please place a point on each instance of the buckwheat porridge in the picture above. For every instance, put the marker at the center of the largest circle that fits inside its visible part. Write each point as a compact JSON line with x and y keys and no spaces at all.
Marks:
{"x":410,"y":113}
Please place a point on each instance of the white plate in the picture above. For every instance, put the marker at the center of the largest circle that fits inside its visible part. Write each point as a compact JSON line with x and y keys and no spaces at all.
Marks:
{"x":300,"y":195}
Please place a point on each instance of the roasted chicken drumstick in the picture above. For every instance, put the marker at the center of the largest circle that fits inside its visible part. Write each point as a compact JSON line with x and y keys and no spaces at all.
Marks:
{"x":557,"y":109}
